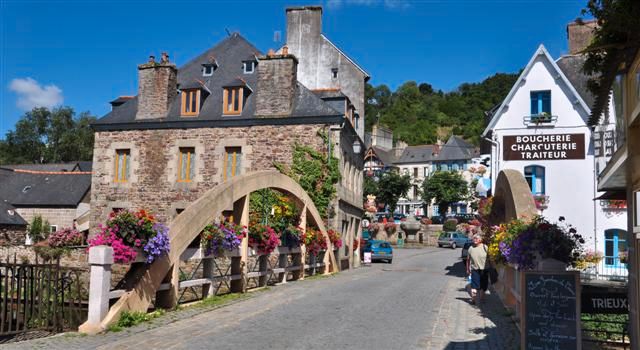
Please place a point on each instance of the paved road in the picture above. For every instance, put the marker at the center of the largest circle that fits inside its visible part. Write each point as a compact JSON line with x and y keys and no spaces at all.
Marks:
{"x":418,"y":302}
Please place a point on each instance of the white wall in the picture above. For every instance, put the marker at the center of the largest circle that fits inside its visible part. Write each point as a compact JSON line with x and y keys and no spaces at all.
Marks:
{"x":569,"y":183}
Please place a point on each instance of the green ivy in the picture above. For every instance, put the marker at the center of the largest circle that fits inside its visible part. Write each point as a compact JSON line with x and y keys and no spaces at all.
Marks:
{"x":316,"y":173}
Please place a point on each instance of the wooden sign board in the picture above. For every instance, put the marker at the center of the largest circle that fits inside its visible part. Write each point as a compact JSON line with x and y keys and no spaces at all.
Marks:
{"x":550,"y":310}
{"x":543,"y":147}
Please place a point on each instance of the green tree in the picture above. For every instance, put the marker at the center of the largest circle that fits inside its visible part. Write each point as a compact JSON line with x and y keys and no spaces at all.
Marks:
{"x":369,"y":186}
{"x":444,"y":188}
{"x":615,"y":42}
{"x":49,"y":136}
{"x":392,"y":186}
{"x":417,"y":113}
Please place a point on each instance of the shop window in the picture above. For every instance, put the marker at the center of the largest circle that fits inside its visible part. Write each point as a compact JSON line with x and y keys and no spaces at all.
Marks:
{"x":534,"y":175}
{"x":615,"y":242}
{"x":232,"y":162}
{"x":186,"y":164}
{"x":122,"y":160}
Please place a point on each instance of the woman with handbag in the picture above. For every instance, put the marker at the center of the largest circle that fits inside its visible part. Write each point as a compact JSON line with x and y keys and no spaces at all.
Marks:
{"x":478,"y":267}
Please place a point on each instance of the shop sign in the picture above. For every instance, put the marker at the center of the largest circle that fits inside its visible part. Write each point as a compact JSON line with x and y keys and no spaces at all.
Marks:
{"x":543,"y":147}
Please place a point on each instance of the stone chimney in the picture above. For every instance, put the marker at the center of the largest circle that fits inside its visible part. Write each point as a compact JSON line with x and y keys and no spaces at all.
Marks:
{"x":157,"y":87}
{"x":399,"y":149}
{"x":580,"y":34}
{"x":304,"y":28}
{"x":277,"y":84}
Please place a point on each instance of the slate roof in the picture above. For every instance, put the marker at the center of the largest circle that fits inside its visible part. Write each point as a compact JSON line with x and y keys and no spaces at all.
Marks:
{"x":571,"y":66}
{"x":43,"y":167}
{"x":456,"y":149}
{"x":229,"y":55}
{"x":386,"y":156}
{"x":329,"y":93}
{"x":418,"y":154}
{"x":9,"y":216}
{"x":43,"y":189}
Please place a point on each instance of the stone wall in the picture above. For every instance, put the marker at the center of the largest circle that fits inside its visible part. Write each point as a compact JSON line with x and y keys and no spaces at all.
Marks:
{"x":60,"y":217}
{"x":276,"y":85}
{"x":157,"y":87}
{"x":12,"y":234}
{"x":154,"y":163}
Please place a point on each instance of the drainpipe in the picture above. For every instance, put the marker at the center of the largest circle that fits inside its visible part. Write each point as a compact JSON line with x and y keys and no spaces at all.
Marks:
{"x":595,"y":210}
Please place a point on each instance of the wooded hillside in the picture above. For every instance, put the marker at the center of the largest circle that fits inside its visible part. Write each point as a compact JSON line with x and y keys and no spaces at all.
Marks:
{"x":418,"y":114}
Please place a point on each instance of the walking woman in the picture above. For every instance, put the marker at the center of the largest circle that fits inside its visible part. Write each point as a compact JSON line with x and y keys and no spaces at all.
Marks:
{"x":478,"y":268}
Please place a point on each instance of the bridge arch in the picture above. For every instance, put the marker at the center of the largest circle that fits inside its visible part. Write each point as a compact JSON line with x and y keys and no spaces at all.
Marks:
{"x":187,"y":226}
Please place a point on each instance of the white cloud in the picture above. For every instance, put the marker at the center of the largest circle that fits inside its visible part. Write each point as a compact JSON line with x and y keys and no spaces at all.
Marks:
{"x":392,"y":4}
{"x":31,"y":94}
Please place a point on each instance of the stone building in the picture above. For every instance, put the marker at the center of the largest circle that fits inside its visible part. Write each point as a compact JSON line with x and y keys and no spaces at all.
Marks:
{"x":59,"y":193}
{"x":229,"y":111}
{"x":322,"y":64}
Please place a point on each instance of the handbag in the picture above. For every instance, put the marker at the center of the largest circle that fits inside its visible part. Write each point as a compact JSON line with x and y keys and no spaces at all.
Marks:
{"x":493,"y":273}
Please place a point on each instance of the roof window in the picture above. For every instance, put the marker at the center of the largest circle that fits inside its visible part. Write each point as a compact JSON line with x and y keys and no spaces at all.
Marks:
{"x":249,"y":67}
{"x":209,"y":67}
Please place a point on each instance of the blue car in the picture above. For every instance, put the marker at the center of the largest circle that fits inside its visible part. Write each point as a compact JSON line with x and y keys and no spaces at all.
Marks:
{"x":380,"y":250}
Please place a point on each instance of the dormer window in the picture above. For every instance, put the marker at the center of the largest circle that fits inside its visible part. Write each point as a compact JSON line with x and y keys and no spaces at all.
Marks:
{"x":190,"y":102}
{"x":233,"y":99}
{"x":234,"y":96}
{"x":334,"y":73}
{"x":208,"y":69}
{"x":248,"y":67}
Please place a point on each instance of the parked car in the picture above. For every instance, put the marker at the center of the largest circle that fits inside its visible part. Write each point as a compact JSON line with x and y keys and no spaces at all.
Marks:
{"x":465,"y":250}
{"x":452,"y":239}
{"x":380,"y":250}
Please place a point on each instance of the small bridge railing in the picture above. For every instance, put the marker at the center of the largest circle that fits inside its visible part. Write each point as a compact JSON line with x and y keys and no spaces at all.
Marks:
{"x":202,"y":275}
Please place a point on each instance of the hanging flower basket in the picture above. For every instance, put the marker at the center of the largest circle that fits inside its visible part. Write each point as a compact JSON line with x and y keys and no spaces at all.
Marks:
{"x":131,"y":234}
{"x":524,"y":245}
{"x":216,"y":239}
{"x":263,"y":238}
{"x":291,"y":237}
{"x":334,"y":238}
{"x":314,"y":241}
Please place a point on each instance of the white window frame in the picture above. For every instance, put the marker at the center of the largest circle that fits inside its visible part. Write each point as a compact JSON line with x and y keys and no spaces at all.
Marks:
{"x":245,"y":65}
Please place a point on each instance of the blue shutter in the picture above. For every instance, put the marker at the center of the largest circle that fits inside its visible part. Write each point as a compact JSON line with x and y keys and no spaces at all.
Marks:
{"x":546,"y":101}
{"x":534,"y":103}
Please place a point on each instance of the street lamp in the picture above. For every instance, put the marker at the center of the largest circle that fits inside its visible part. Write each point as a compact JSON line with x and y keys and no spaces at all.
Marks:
{"x":357,"y":147}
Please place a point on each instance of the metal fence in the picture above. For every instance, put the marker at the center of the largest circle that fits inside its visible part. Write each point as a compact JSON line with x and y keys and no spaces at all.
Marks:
{"x":608,"y":269}
{"x":41,"y":296}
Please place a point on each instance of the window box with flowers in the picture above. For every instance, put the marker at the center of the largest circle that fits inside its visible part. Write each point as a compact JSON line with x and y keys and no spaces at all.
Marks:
{"x":134,"y":237}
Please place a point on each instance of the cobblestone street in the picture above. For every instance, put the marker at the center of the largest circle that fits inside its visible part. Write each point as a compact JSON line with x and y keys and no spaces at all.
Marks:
{"x":418,"y":302}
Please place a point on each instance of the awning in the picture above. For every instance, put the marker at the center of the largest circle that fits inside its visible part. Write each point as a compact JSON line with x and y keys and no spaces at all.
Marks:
{"x":615,"y":195}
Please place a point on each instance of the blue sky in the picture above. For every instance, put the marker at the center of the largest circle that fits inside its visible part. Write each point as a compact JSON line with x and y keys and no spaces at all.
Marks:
{"x":84,"y":53}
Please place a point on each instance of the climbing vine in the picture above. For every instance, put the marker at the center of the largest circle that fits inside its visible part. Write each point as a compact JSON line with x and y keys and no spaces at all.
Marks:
{"x":315,"y":172}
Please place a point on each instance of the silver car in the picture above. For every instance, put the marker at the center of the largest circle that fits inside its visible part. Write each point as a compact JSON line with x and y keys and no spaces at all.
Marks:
{"x":452,"y":239}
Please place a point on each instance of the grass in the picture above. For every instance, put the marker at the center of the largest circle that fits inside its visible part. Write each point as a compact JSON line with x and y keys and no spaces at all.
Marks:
{"x":130,"y":319}
{"x":318,"y":277}
{"x":218,"y":300}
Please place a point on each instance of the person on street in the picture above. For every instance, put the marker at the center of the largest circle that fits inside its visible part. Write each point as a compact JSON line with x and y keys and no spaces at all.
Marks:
{"x":478,"y":269}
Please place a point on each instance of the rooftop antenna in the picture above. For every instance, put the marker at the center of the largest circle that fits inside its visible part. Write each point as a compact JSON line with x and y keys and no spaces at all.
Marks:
{"x":228,"y":32}
{"x":276,"y":36}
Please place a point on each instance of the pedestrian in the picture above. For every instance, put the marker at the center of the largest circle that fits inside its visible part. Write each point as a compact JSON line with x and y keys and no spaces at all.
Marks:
{"x":478,"y":268}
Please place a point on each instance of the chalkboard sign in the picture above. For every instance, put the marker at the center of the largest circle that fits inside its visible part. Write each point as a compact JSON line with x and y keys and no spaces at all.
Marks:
{"x":550,"y":312}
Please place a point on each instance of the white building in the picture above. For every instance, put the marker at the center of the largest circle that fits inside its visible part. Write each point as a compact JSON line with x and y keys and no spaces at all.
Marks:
{"x":541,"y":130}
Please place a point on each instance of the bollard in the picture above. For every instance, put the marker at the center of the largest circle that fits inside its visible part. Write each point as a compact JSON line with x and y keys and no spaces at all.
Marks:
{"x":100,"y":259}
